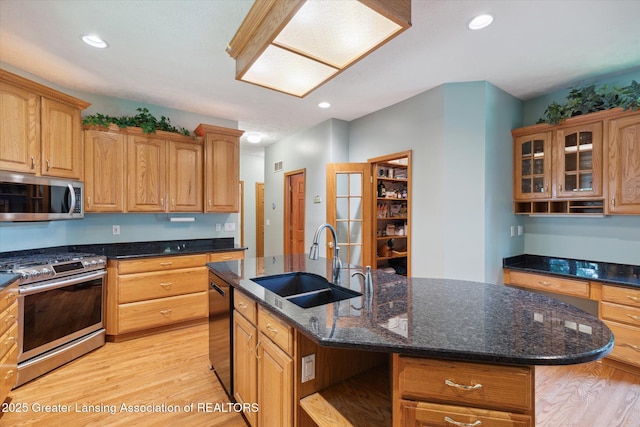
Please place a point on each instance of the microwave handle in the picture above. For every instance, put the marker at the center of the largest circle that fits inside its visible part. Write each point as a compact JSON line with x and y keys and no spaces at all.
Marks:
{"x":72,"y":194}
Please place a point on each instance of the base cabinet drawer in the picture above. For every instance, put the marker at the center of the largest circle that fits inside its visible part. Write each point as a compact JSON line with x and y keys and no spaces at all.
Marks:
{"x":164,"y":311}
{"x":146,"y":286}
{"x":8,"y":318}
{"x":479,"y":385}
{"x":8,"y":371}
{"x":620,"y":313}
{"x":578,"y":288}
{"x":621,"y":295}
{"x":420,"y":414}
{"x":627,"y":343}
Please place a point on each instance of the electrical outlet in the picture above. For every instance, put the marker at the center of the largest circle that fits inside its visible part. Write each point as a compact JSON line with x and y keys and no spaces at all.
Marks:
{"x":520,"y":230}
{"x":116,"y":230}
{"x":308,"y":368}
{"x":229,"y":226}
{"x":218,"y":227}
{"x":513,"y":230}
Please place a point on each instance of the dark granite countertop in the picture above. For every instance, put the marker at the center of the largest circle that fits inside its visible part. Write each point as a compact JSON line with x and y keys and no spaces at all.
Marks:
{"x":7,"y":279}
{"x":141,"y":249}
{"x":439,"y":318}
{"x":606,"y":272}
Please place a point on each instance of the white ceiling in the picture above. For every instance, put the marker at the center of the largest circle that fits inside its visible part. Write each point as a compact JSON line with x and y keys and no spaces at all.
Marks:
{"x":172,"y":53}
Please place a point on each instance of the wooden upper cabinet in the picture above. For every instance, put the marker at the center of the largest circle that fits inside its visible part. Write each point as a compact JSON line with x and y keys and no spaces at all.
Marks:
{"x":41,"y":130}
{"x":19,"y":132}
{"x":624,"y":165}
{"x":61,"y":140}
{"x":146,"y":174}
{"x":532,"y":166}
{"x":104,"y":171}
{"x":578,"y":152}
{"x":185,"y":177}
{"x":221,"y":168}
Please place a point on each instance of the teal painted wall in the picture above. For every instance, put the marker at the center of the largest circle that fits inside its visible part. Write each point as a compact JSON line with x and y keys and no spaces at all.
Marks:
{"x":614,"y":238}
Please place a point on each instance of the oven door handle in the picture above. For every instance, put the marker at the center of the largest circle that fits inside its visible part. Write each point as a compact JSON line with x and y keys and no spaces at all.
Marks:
{"x":218,"y":289}
{"x":37,"y":288}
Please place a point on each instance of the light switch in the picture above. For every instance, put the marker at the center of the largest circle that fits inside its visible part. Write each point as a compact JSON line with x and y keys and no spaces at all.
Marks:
{"x":308,"y":368}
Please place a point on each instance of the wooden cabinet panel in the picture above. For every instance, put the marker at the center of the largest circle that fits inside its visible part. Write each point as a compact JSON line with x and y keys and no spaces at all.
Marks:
{"x":276,"y":330}
{"x":163,"y":311}
{"x":8,"y":296}
{"x":627,"y":343}
{"x":142,"y":265}
{"x":578,"y":158}
{"x":226,"y":256}
{"x":146,"y":174}
{"x":624,"y":165}
{"x":185,"y":177}
{"x":221,"y":167}
{"x":245,"y":363}
{"x":275,"y":384}
{"x":20,"y":130}
{"x":104,"y":171}
{"x":61,"y":140}
{"x":420,"y":414}
{"x":8,"y":339}
{"x":621,"y":295}
{"x":146,"y":286}
{"x":532,"y":166}
{"x":558,"y":285}
{"x":480,"y":385}
{"x":246,"y":306}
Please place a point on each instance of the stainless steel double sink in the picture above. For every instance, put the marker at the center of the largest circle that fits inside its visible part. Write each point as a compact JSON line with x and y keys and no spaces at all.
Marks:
{"x":305,"y":290}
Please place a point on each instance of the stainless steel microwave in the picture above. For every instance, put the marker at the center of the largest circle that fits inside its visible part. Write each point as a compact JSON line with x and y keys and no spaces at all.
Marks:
{"x":35,"y":198}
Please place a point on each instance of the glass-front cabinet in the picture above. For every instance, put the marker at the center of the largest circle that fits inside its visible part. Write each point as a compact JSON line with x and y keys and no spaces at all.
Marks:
{"x":579,"y":154}
{"x":532,"y":166}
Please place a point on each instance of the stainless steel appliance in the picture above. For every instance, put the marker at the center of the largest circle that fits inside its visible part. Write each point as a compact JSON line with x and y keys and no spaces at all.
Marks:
{"x":60,"y":309}
{"x":36,"y":198}
{"x":220,"y":331}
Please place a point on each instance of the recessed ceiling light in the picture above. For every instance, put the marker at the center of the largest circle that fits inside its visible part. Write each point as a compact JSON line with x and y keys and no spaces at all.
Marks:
{"x":94,"y":41}
{"x":481,"y":21}
{"x":324,"y":104}
{"x":254,"y":138}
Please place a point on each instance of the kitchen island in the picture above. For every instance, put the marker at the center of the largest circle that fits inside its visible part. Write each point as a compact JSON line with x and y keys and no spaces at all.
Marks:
{"x":459,"y":350}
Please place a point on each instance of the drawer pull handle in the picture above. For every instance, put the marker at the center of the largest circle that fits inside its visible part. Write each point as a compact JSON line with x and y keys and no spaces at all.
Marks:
{"x":543,"y":283}
{"x":463,"y":387}
{"x":166,"y":285}
{"x":226,"y":257}
{"x":636,"y":299}
{"x":10,"y":341}
{"x":634,"y":317}
{"x":166,"y":263}
{"x":11,"y":296}
{"x":458,"y":423}
{"x":248,"y":342}
{"x":258,"y":345}
{"x":242,"y":305}
{"x":10,"y":319}
{"x":48,"y":165}
{"x":165,"y":313}
{"x":631,"y":346}
{"x":271,"y":329}
{"x":9,"y":374}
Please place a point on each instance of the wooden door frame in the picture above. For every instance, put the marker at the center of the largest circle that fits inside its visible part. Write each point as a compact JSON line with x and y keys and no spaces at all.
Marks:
{"x":287,"y":206}
{"x":259,"y":220}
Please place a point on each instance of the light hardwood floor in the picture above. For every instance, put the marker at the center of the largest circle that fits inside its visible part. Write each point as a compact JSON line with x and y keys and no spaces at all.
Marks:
{"x":172,"y":369}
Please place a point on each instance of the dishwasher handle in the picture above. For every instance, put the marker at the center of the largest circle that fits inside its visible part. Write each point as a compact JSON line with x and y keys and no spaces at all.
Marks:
{"x":218,"y":289}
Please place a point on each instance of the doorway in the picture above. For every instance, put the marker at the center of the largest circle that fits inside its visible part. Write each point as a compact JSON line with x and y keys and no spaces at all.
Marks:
{"x":294,"y":227}
{"x":259,"y":219}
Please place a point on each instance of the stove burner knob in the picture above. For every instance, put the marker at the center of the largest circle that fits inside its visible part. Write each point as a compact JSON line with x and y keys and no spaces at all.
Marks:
{"x":94,"y":263}
{"x":47,"y":272}
{"x":25,"y":275}
{"x":86,"y":264}
{"x":102,"y":261}
{"x":35,"y":273}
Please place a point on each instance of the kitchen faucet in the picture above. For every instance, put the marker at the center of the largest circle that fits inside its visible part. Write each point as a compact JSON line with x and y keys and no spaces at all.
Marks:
{"x":313,"y":252}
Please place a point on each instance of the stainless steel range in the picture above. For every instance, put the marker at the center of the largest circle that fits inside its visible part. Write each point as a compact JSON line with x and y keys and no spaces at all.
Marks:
{"x":60,"y":309}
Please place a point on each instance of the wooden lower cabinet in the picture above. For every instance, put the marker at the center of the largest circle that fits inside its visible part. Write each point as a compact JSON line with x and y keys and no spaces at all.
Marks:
{"x":275,"y":384}
{"x":147,"y":293}
{"x":429,"y":392}
{"x":619,"y":309}
{"x":263,"y":370}
{"x":8,"y":339}
{"x":421,"y":414}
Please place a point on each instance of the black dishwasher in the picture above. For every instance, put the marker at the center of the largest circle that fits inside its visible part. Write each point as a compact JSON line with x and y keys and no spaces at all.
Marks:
{"x":220,"y":331}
